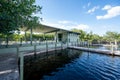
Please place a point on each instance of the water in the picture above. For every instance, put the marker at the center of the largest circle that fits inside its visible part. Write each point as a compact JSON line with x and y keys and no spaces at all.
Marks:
{"x":76,"y":65}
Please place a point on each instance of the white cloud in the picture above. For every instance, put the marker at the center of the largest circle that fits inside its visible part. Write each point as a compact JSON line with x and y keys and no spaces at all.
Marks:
{"x":64,"y":22}
{"x":111,"y":12}
{"x":93,"y":9}
{"x":81,"y":26}
{"x":107,"y":7}
{"x":67,"y":25}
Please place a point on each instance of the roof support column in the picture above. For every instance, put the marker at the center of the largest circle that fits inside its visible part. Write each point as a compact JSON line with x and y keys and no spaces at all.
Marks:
{"x":44,"y":37}
{"x":56,"y":36}
{"x":31,"y":35}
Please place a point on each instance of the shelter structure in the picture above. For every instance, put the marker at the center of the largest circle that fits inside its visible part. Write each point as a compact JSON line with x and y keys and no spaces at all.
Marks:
{"x":61,"y":35}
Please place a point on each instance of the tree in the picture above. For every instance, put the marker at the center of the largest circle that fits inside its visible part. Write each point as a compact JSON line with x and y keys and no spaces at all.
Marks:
{"x":15,"y":13}
{"x":89,"y":37}
{"x":84,"y":36}
{"x":32,"y":24}
{"x":8,"y":16}
{"x":111,"y":36}
{"x":96,"y":38}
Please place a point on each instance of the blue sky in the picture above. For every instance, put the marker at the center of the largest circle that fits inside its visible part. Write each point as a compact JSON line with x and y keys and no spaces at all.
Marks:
{"x":97,"y":16}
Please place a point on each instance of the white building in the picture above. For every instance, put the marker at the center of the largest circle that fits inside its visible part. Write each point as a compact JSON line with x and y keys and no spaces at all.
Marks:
{"x":61,"y":35}
{"x":67,"y":36}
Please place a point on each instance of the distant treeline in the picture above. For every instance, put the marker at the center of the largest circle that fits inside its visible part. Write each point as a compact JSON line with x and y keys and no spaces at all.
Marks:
{"x":108,"y":37}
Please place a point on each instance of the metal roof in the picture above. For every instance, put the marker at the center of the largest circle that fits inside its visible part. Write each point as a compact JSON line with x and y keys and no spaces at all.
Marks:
{"x":47,"y":29}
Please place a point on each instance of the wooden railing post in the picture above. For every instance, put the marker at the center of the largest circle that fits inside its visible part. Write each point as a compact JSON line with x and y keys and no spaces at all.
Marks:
{"x":35,"y":51}
{"x":67,"y":43}
{"x":7,"y":41}
{"x":20,"y":63}
{"x":55,"y":46}
{"x":112,"y":48}
{"x":46,"y":46}
{"x":17,"y":51}
{"x":21,"y":66}
{"x":20,"y":41}
{"x":88,"y":44}
{"x":39,"y":41}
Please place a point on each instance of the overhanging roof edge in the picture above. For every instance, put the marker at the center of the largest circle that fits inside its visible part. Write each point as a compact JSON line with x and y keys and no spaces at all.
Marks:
{"x":47,"y":29}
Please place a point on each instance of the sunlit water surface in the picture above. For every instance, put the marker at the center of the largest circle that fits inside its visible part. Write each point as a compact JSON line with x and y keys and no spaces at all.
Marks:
{"x":80,"y":65}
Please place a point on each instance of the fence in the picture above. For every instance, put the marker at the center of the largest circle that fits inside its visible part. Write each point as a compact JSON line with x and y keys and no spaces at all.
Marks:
{"x":7,"y":43}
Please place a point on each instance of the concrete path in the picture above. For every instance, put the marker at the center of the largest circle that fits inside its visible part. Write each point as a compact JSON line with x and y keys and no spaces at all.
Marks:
{"x":8,"y":67}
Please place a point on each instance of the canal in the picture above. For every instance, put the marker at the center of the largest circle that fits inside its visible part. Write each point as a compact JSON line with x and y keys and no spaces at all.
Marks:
{"x":71,"y":64}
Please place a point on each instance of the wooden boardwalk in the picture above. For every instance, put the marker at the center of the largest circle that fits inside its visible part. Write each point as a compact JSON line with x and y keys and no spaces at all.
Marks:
{"x":108,"y":52}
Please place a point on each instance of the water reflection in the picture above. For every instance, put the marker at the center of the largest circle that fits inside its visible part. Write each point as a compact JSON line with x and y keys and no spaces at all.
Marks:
{"x":35,"y":68}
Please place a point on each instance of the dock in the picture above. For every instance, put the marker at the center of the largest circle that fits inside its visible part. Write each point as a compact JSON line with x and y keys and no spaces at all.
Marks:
{"x":107,"y":52}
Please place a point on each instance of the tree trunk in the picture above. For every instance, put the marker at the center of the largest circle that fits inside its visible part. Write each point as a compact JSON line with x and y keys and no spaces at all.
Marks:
{"x":31,"y":35}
